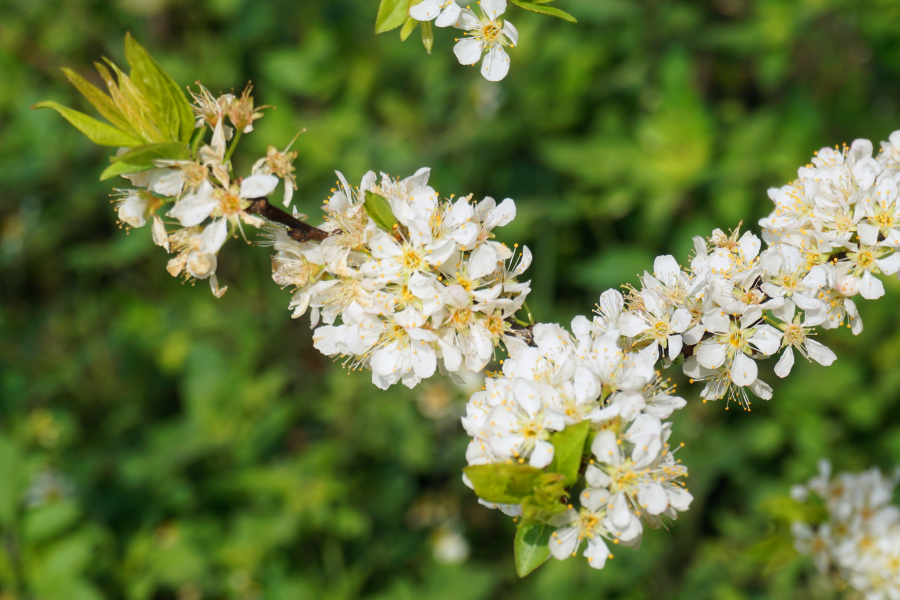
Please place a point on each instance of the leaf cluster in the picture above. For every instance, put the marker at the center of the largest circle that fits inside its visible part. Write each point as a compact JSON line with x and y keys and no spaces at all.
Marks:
{"x":146,"y":112}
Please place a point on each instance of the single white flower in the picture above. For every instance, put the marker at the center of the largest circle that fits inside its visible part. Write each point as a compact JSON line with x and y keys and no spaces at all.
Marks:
{"x":521,"y":429}
{"x":735,"y":344}
{"x":796,"y":336}
{"x":132,"y":208}
{"x":486,"y":33}
{"x":656,"y":323}
{"x":404,"y":353}
{"x":591,"y":523}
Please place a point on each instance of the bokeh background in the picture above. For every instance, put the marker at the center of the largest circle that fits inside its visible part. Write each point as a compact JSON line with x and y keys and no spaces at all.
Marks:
{"x":156,"y":443}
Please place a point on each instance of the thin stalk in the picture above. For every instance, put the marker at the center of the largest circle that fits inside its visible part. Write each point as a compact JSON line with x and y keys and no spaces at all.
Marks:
{"x":198,"y":138}
{"x":528,"y":312}
{"x":234,"y":143}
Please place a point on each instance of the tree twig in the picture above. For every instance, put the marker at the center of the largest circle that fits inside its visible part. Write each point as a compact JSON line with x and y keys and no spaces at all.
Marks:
{"x":297,"y":229}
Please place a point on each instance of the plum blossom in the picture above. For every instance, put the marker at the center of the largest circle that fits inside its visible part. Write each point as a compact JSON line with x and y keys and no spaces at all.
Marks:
{"x":486,"y":33}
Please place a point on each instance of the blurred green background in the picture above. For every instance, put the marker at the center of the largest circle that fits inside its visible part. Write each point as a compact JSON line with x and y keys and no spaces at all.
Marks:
{"x":156,"y":443}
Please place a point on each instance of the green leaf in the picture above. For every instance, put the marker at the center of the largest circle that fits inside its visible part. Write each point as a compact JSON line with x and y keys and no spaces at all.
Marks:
{"x":408,"y":28}
{"x":44,"y":522}
{"x":172,"y":111}
{"x":503,"y":483}
{"x":784,"y":508}
{"x":97,"y":132}
{"x":102,"y":102}
{"x":121,"y":168}
{"x":775,"y":552}
{"x":391,"y":15}
{"x":379,"y":210}
{"x":427,"y":36}
{"x":531,"y":546}
{"x":544,"y":10}
{"x":545,"y":502}
{"x":568,"y":448}
{"x":145,"y":155}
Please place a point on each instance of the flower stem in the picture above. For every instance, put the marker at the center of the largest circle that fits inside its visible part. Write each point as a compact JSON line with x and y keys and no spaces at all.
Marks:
{"x":198,"y":138}
{"x":234,"y":143}
{"x":528,"y":312}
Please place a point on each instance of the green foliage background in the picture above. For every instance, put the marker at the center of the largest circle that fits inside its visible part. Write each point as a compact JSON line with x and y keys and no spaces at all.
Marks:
{"x":158,"y":443}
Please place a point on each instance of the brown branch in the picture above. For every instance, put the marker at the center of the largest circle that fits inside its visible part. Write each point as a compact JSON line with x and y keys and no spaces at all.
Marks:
{"x":297,"y":229}
{"x":525,"y":333}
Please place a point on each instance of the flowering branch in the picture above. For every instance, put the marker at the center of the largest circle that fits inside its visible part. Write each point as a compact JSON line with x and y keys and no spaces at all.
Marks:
{"x":296,"y":229}
{"x":407,"y":284}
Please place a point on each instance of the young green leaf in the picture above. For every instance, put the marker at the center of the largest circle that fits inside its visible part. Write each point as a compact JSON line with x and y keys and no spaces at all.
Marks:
{"x":145,"y":155}
{"x":379,"y":210}
{"x":531,"y":546}
{"x":172,"y":111}
{"x":427,"y":36}
{"x":544,"y":10}
{"x":96,"y":131}
{"x":788,"y":510}
{"x":408,"y":28}
{"x":549,"y":489}
{"x":503,"y":483}
{"x":568,"y":447}
{"x":391,"y":15}
{"x":120,"y":168}
{"x":102,"y":102}
{"x":134,"y":106}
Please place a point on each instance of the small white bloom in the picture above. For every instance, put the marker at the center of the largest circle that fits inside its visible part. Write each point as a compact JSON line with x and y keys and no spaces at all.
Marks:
{"x":486,"y":33}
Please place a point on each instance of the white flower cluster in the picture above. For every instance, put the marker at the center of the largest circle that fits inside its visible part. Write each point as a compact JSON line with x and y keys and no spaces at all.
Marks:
{"x":485,"y":34}
{"x":423,"y":282}
{"x":859,"y":543}
{"x":210,"y":205}
{"x":561,"y":381}
{"x":436,"y":287}
{"x":832,"y":231}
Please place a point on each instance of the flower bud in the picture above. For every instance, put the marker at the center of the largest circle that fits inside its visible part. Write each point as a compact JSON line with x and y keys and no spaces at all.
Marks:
{"x":848,"y":286}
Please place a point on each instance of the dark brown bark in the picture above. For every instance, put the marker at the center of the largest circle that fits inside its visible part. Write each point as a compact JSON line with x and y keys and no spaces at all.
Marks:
{"x":297,"y":229}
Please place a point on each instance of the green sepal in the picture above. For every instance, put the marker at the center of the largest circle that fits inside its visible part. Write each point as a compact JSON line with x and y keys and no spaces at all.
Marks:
{"x":98,"y":132}
{"x":568,"y":448}
{"x":532,"y":546}
{"x":427,"y":36}
{"x":544,"y":10}
{"x":120,"y":168}
{"x":145,"y":155}
{"x":503,"y":483}
{"x":391,"y":15}
{"x":408,"y":27}
{"x":171,"y":109}
{"x":379,"y":210}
